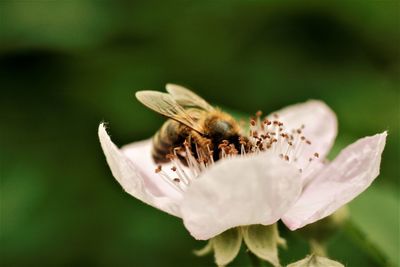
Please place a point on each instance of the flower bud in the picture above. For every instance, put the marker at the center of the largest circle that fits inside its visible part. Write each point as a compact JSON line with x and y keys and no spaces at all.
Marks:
{"x":315,"y":261}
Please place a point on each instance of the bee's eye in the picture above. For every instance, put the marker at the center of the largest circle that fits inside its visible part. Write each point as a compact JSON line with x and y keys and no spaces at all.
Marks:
{"x":220,"y":128}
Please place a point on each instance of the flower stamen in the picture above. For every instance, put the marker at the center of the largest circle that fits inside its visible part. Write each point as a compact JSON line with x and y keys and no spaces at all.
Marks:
{"x":268,"y":135}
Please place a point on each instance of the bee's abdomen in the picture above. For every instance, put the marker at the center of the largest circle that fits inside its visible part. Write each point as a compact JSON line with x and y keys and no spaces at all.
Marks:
{"x":168,"y":137}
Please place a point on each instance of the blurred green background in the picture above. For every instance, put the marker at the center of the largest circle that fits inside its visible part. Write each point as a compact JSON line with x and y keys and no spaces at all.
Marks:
{"x":65,"y":66}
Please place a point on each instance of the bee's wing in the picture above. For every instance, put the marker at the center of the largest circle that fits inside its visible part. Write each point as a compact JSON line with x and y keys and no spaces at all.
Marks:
{"x":187,"y":98}
{"x":166,"y":105}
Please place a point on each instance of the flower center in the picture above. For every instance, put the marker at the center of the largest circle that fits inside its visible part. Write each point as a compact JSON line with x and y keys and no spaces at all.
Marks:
{"x":266,"y":135}
{"x":290,"y":144}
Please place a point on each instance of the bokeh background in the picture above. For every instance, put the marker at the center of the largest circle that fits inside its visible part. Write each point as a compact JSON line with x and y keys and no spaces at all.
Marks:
{"x":67,"y":65}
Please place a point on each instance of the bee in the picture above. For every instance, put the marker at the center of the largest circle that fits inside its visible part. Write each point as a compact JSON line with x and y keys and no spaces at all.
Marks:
{"x":191,"y":121}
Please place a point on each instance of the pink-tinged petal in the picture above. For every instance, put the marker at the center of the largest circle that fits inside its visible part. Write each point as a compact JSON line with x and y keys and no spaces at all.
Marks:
{"x":339,"y":182}
{"x":240,"y":191}
{"x":133,"y":179}
{"x":320,"y":127}
{"x":140,"y":154}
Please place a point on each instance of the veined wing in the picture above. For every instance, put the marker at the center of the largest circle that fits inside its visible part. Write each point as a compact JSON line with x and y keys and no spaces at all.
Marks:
{"x":187,"y":98}
{"x":166,"y":105}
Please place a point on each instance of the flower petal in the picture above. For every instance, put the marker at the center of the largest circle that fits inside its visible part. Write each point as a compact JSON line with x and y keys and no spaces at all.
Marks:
{"x":346,"y":177}
{"x":132,"y":178}
{"x":320,"y":127}
{"x":140,"y":154}
{"x":239,"y":191}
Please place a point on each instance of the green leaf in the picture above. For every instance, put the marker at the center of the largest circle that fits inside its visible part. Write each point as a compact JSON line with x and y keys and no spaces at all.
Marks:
{"x":263,"y":241}
{"x":315,"y":261}
{"x":322,"y":230}
{"x":226,"y":246}
{"x":374,"y":223}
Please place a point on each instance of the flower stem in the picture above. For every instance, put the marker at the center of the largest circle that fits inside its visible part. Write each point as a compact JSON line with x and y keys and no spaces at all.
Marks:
{"x":318,"y":248}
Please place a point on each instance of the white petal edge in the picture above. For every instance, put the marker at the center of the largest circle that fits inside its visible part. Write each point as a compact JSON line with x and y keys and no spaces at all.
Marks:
{"x":131,"y":178}
{"x":320,"y":126}
{"x":255,"y":189}
{"x":353,"y":170}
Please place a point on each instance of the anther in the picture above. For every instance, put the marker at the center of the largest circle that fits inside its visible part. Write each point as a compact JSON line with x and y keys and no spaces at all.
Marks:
{"x":170,"y":156}
{"x":221,"y":146}
{"x":158,"y":169}
{"x":186,"y":143}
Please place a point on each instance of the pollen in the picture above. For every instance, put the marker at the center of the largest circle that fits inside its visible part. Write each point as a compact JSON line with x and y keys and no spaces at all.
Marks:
{"x":158,"y":169}
{"x":267,"y":135}
{"x":271,"y":134}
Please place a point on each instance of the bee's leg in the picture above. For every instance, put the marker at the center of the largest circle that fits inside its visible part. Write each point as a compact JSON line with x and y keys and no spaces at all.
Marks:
{"x":202,"y":147}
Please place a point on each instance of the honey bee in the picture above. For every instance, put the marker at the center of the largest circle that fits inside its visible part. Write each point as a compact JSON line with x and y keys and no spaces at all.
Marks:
{"x":191,"y":121}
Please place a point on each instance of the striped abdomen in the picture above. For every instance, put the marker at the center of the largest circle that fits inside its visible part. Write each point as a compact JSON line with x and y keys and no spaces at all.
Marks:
{"x":172,"y":134}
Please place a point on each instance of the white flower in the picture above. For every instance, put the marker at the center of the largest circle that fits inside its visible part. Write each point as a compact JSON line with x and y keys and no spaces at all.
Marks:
{"x":286,"y":178}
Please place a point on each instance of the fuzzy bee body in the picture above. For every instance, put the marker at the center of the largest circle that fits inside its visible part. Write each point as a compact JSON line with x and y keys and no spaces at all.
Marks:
{"x":171,"y":134}
{"x":192,"y":121}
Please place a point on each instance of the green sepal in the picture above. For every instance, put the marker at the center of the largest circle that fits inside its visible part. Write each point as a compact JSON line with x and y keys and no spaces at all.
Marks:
{"x":316,"y":261}
{"x":207,"y":249}
{"x":263,"y":241}
{"x":226,"y":247}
